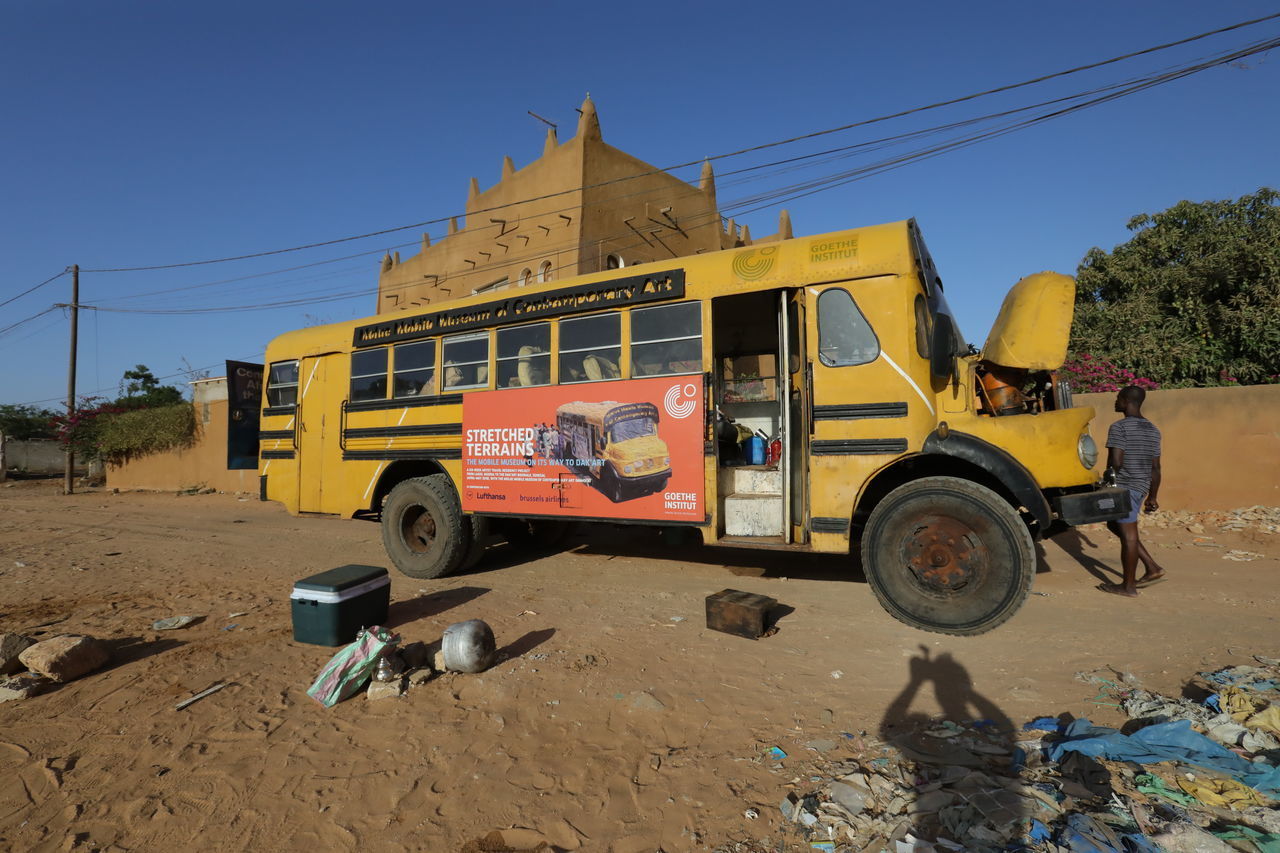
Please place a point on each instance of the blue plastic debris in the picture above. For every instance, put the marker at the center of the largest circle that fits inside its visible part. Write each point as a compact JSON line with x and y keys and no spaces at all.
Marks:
{"x":776,"y":754}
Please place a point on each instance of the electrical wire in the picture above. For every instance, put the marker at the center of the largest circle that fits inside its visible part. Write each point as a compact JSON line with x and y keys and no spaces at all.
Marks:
{"x":737,"y":153}
{"x":1065,"y":105}
{"x":34,"y":289}
{"x":13,"y":326}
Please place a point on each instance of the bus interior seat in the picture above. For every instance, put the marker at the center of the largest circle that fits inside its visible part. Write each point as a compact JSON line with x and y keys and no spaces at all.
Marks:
{"x":598,"y":367}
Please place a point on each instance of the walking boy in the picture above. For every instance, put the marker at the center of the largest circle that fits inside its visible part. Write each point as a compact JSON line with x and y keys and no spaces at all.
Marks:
{"x":1133,"y":452}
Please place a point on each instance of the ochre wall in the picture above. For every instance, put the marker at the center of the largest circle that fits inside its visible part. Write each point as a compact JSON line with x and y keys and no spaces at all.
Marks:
{"x":1221,"y":446}
{"x":203,"y":465}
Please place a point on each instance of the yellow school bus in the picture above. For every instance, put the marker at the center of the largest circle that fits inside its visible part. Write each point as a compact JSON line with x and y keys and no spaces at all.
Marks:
{"x":623,"y":438}
{"x":935,"y":465}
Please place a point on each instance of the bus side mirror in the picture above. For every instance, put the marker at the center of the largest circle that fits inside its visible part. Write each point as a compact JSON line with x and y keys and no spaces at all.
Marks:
{"x":943,"y":346}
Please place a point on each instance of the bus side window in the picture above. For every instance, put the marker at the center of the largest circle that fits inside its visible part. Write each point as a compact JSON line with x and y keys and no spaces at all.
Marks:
{"x":369,"y":374}
{"x":590,"y":348}
{"x":282,"y":384}
{"x":924,"y":327}
{"x":466,"y":361}
{"x":666,"y":340}
{"x":844,"y":335}
{"x":524,"y":356}
{"x":415,"y":369}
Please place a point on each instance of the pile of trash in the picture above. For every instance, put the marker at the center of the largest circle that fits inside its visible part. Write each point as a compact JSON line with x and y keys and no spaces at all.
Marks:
{"x":1265,"y":519}
{"x":1179,"y":776}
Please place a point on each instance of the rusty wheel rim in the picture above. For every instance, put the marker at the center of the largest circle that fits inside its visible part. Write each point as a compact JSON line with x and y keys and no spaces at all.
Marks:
{"x":944,"y":555}
{"x":418,"y":528}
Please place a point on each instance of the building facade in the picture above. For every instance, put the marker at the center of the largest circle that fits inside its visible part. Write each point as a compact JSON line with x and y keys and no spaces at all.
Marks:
{"x":582,"y":207}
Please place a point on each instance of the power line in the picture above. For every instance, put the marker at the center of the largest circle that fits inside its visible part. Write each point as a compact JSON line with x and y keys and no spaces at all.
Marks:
{"x":34,"y":289}
{"x":13,"y":326}
{"x":862,"y":123}
{"x":1065,"y":105}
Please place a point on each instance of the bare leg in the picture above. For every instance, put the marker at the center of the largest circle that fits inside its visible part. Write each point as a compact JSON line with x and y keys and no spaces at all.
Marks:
{"x":1154,"y":571}
{"x":1129,"y":547}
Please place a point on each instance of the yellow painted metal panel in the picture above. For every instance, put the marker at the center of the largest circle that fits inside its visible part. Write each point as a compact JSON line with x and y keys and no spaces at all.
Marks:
{"x":1034,"y":323}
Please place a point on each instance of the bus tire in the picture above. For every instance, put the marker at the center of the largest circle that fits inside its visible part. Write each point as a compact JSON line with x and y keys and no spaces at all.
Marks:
{"x":612,"y":486}
{"x":423,"y":529}
{"x":947,"y":555}
{"x":480,"y":527}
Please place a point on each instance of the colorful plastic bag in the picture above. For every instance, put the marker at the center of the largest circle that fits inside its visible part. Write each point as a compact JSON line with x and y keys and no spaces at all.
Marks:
{"x":348,"y":670}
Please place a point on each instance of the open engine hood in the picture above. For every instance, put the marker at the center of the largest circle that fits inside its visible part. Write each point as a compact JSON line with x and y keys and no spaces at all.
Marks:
{"x":1034,"y":323}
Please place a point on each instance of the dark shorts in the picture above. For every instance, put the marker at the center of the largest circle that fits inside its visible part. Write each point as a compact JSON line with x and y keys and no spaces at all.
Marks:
{"x":1135,"y":499}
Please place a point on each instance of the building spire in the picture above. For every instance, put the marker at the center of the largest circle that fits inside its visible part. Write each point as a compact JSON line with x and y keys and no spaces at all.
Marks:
{"x":746,"y":235}
{"x":508,"y":168}
{"x":708,"y":181}
{"x":473,"y":190}
{"x":784,"y":226}
{"x":453,"y":223}
{"x":589,"y":122}
{"x":552,"y":142}
{"x":426,"y":241}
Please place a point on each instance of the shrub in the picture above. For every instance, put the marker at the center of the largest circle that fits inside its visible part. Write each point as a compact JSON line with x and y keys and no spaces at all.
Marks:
{"x":141,"y":432}
{"x":1088,"y":374}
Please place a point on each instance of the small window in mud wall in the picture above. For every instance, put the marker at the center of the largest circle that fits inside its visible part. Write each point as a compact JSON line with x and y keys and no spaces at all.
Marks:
{"x":924,"y":327}
{"x":524,"y":356}
{"x":844,"y":336}
{"x":666,"y":340}
{"x":282,"y":384}
{"x":544,"y":271}
{"x":613,"y":262}
{"x":466,"y":361}
{"x":369,"y":375}
{"x":590,"y":348}
{"x":415,"y":369}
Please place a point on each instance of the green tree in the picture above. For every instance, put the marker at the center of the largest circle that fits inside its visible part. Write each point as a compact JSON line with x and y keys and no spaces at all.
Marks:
{"x":1193,"y":298}
{"x":139,"y":389}
{"x":24,"y":422}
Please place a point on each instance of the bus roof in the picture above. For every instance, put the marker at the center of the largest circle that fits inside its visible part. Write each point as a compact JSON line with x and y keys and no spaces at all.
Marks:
{"x":855,"y":253}
{"x":608,"y":412}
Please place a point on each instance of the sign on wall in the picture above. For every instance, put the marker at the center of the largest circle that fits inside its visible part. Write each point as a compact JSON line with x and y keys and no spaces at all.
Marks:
{"x":628,"y":449}
{"x":244,"y":408}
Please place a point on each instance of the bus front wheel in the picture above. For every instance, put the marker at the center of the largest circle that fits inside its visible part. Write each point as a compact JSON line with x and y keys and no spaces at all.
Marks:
{"x":423,"y":529}
{"x":948,"y":555}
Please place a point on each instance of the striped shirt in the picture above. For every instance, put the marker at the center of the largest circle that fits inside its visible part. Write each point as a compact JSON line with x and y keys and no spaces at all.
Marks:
{"x":1140,"y":441}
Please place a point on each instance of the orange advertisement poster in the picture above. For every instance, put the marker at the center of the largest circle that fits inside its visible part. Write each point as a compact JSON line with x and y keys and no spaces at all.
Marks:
{"x":630,"y":449}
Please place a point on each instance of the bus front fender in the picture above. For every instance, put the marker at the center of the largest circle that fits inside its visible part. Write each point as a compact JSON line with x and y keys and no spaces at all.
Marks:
{"x":998,"y":463}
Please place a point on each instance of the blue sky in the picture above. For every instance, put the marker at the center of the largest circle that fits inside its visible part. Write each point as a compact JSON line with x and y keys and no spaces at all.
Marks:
{"x":148,"y":133}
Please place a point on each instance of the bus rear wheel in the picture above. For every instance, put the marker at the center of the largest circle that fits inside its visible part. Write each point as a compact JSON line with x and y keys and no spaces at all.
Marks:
{"x":947,"y":555}
{"x":423,"y":529}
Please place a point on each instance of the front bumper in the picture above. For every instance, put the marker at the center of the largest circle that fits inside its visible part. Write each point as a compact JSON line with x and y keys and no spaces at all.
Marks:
{"x":1109,"y":504}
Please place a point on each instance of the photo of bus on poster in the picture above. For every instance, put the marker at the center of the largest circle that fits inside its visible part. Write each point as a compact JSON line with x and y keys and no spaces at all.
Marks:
{"x":628,"y":449}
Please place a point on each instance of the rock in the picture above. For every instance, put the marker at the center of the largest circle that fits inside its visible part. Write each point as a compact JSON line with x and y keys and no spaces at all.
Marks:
{"x":386,"y":689}
{"x":23,"y":686}
{"x":173,"y":622}
{"x":11,"y":645}
{"x":646,"y":702}
{"x":65,"y":658}
{"x":414,"y":655}
{"x":821,"y":745}
{"x":420,"y":676}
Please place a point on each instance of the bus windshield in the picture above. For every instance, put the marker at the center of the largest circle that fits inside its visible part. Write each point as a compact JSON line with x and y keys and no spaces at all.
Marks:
{"x":632,"y":428}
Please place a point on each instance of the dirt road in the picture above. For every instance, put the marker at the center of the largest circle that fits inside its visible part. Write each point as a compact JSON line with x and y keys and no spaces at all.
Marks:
{"x":616,"y":722}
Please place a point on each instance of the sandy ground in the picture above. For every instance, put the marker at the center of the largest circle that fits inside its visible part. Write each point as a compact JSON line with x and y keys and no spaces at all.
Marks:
{"x":616,"y":722}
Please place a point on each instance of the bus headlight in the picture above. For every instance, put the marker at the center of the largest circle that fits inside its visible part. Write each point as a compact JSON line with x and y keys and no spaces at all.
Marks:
{"x":626,"y":469}
{"x":666,"y":461}
{"x":1087,"y":450}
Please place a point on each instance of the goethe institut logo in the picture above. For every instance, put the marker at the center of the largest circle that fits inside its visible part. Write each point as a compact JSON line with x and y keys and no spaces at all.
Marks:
{"x":680,"y":400}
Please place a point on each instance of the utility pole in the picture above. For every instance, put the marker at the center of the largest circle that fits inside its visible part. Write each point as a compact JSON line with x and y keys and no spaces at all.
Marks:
{"x":68,"y":483}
